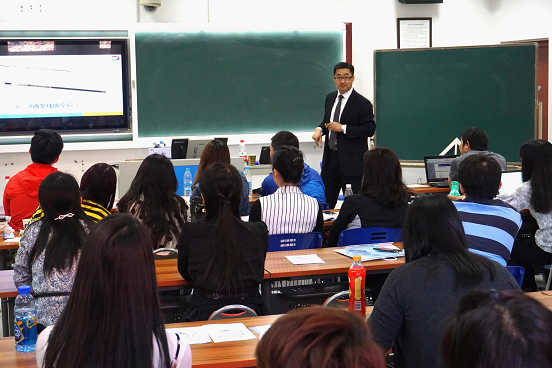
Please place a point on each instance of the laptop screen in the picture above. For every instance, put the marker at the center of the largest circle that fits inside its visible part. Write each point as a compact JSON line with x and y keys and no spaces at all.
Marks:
{"x":511,"y":180}
{"x":438,"y":167}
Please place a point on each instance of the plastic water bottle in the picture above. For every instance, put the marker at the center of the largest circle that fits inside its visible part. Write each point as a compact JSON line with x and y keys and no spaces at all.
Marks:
{"x":243,"y":151}
{"x":247,"y":174}
{"x":187,"y":183}
{"x":357,"y":279}
{"x":348,"y":190}
{"x":25,"y":320}
{"x":455,"y":189}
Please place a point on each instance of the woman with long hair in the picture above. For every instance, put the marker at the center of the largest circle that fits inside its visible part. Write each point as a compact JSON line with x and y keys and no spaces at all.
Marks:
{"x":419,"y":295}
{"x":152,"y":199}
{"x":499,"y":329}
{"x":50,"y":248}
{"x":217,"y":151}
{"x":288,"y":210}
{"x":113,"y":317}
{"x":382,"y":200}
{"x":221,"y":254}
{"x":319,"y":337}
{"x":533,"y":244}
{"x":98,"y":185}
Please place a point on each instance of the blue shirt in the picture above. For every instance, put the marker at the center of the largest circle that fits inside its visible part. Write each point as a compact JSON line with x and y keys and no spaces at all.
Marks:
{"x":244,"y":201}
{"x":311,"y":184}
{"x":491,"y":226}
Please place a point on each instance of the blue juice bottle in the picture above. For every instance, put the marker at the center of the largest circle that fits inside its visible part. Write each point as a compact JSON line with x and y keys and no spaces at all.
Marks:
{"x":25,"y":320}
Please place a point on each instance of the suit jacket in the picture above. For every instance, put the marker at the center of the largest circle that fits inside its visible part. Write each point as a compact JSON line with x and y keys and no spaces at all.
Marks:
{"x":359,"y":118}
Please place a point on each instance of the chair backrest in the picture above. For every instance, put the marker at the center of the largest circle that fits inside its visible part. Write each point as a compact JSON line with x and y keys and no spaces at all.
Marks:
{"x":338,"y":300}
{"x":369,"y":235}
{"x":232,"y":311}
{"x":165,"y":253}
{"x":518,"y":273}
{"x":280,"y":242}
{"x":324,"y":206}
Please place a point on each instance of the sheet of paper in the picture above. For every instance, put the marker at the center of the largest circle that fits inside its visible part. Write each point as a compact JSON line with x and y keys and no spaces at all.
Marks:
{"x":229,"y":332}
{"x":370,"y":252}
{"x":418,"y":186}
{"x":330,"y":217}
{"x":260,"y":330}
{"x":306,"y":259}
{"x":194,"y":335}
{"x":13,"y":240}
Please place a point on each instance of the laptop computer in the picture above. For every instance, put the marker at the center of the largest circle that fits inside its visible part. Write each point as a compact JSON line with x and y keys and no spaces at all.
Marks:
{"x":437,"y":169}
{"x":511,"y":180}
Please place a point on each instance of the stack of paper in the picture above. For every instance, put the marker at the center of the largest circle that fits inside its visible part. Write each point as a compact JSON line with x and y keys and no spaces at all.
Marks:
{"x":370,"y":252}
{"x":217,"y":332}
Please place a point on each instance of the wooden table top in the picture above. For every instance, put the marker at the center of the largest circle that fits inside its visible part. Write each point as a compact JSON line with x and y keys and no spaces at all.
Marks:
{"x":235,"y":354}
{"x":426,"y":189}
{"x":4,"y":245}
{"x":278,"y":266}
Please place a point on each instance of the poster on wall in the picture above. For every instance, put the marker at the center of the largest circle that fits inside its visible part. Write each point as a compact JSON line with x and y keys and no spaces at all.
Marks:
{"x":413,"y":33}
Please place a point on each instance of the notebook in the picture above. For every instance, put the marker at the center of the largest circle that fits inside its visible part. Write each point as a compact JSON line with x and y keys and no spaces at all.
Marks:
{"x":437,"y":169}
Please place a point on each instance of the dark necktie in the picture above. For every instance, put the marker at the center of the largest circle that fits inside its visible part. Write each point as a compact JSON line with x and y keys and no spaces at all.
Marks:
{"x":333,"y":135}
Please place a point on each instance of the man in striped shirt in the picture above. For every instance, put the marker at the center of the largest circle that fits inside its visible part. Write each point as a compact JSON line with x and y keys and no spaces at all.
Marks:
{"x":490,"y":224}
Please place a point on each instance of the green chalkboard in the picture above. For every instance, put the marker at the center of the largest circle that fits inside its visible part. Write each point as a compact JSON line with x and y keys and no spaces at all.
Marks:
{"x":212,"y":83}
{"x":425,"y":98}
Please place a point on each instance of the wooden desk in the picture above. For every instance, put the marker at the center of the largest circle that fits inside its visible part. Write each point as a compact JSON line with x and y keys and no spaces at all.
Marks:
{"x":427,"y":189}
{"x":235,"y":354}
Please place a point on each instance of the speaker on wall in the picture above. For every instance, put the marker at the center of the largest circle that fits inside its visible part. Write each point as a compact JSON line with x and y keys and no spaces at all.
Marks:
{"x":420,"y":1}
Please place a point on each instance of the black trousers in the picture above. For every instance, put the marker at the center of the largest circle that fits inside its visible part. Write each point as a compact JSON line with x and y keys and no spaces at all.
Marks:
{"x":526,"y":253}
{"x":334,"y":180}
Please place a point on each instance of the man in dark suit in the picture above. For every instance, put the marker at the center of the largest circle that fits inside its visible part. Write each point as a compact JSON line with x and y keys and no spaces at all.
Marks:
{"x":348,"y":122}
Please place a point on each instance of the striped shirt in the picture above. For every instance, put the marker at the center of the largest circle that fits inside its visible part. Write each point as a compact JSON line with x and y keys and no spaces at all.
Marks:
{"x":95,"y":211}
{"x":491,"y":226}
{"x":288,"y":211}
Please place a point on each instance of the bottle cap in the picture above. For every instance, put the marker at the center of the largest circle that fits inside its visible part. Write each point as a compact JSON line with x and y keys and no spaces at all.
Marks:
{"x":356,"y":258}
{"x":241,"y":140}
{"x":246,"y":167}
{"x":347,"y":185}
{"x":25,"y":289}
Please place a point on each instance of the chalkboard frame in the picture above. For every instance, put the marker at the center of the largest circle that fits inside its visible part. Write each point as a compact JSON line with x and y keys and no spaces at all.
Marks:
{"x":513,"y":153}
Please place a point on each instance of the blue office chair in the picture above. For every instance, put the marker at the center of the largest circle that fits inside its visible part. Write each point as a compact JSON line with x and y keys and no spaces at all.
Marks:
{"x":369,"y":235}
{"x":518,"y":273}
{"x":281,"y":242}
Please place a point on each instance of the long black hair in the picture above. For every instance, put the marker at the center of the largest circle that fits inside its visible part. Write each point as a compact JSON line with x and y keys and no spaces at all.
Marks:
{"x":98,"y":184}
{"x":382,"y":177}
{"x":221,"y":187}
{"x":153,"y":193}
{"x":114,"y":309}
{"x":536,"y":166}
{"x":432,"y":226}
{"x":59,"y":197}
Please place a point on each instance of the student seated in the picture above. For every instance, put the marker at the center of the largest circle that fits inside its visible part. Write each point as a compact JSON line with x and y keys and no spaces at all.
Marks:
{"x":217,"y":151}
{"x":311,"y":183}
{"x":533,"y":244}
{"x":152,"y":199}
{"x":50,"y":248}
{"x":319,"y":337}
{"x":490,"y":224}
{"x":221,"y":254}
{"x":473,"y":141}
{"x":419,"y":295}
{"x":383,"y":197}
{"x":288,"y":210}
{"x":499,"y":329}
{"x":113,"y":319}
{"x":98,"y":185}
{"x":21,"y":193}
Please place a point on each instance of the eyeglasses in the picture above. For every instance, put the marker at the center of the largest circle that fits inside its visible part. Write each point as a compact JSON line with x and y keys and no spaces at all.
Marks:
{"x":346,"y":79}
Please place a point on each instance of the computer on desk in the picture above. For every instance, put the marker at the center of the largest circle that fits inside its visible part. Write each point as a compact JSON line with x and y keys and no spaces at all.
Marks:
{"x":195,"y":147}
{"x":437,"y":169}
{"x":511,"y":180}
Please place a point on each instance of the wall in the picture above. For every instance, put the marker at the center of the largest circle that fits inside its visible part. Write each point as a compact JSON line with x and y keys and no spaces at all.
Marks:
{"x":455,"y":23}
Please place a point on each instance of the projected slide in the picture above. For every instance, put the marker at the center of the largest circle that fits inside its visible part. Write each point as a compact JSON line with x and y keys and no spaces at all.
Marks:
{"x":34,"y":86}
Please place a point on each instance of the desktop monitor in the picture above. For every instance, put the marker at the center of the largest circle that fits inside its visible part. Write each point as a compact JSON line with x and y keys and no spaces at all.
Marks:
{"x":179,"y":147}
{"x":195,"y":147}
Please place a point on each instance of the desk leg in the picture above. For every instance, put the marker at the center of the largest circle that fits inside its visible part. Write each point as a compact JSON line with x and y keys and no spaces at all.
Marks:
{"x":266,"y":291}
{"x":11,"y":323}
{"x":5,"y":318}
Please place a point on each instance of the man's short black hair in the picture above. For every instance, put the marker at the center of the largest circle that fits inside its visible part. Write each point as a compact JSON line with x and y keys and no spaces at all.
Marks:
{"x":46,"y":146}
{"x":344,"y":65}
{"x":480,"y":175}
{"x":284,"y":138}
{"x":477,"y":138}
